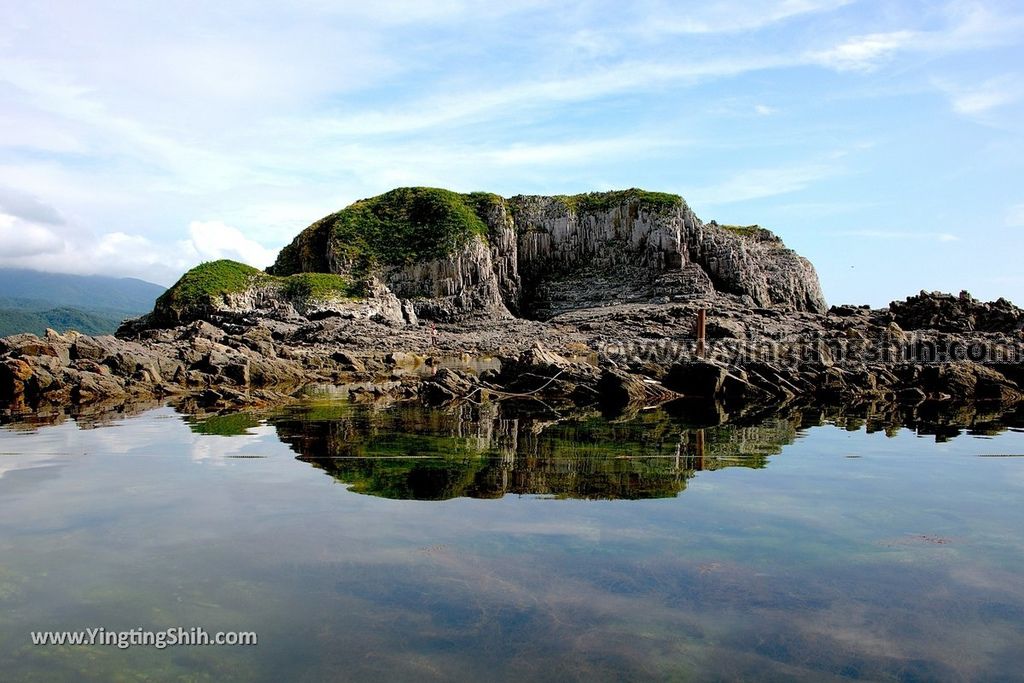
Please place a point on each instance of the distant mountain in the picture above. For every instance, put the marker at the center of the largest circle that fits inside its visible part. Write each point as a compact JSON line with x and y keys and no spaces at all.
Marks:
{"x":31,"y":301}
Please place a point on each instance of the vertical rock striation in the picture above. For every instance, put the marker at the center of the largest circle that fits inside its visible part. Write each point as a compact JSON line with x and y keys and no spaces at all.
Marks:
{"x":449,"y":256}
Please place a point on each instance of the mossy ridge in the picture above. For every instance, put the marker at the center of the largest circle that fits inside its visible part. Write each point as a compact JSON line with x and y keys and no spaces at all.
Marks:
{"x":321,"y":286}
{"x":399,"y":227}
{"x":208,"y":281}
{"x":411,"y":224}
{"x":591,"y":202}
{"x":753,"y":231}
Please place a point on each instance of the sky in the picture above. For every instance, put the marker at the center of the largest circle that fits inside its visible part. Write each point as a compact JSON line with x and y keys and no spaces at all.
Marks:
{"x":882,"y":140}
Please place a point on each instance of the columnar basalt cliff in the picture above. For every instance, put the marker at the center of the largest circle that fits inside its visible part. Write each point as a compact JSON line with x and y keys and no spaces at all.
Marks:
{"x":481,"y":254}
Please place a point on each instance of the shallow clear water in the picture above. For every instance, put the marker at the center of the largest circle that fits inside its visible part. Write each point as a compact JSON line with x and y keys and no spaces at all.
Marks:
{"x":410,"y":543}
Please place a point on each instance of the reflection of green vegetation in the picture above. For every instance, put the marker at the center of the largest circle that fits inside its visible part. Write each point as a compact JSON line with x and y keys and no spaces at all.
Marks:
{"x":431,"y":454}
{"x":11,"y":584}
{"x":234,"y":424}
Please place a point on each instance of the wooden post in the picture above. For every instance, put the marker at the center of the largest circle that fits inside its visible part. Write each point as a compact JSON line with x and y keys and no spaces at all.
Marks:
{"x":702,"y":321}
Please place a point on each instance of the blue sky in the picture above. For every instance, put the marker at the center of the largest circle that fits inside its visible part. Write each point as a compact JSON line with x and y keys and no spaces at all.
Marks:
{"x":883,"y":140}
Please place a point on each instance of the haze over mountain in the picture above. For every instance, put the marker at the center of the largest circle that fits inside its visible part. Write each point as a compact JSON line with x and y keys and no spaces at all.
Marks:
{"x":31,"y":301}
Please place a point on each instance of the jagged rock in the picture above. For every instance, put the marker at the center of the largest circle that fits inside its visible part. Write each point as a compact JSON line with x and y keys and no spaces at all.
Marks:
{"x":201,"y":329}
{"x":725,"y":329}
{"x":96,"y":387}
{"x":696,"y":378}
{"x":620,"y":389}
{"x":348,"y":362}
{"x":21,"y":345}
{"x":445,"y":386}
{"x":14,"y":373}
{"x":539,"y":371}
{"x":93,"y":348}
{"x":948,"y":313}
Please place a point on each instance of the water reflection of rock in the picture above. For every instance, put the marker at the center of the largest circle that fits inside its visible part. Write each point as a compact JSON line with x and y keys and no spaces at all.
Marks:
{"x":942,"y":420}
{"x":487,"y":451}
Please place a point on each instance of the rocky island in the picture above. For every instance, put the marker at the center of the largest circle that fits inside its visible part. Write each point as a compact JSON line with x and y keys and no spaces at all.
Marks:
{"x":618,"y":299}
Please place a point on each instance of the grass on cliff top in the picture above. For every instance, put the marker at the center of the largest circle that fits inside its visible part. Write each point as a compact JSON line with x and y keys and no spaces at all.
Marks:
{"x":398,"y":227}
{"x":745,"y":230}
{"x":320,"y":286}
{"x":413,"y":224}
{"x":602,"y":201}
{"x":748,"y":231}
{"x":210,"y":279}
{"x":407,"y":225}
{"x":216,"y":278}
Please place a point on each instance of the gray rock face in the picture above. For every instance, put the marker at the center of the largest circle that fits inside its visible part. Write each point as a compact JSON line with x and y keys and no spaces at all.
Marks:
{"x":527,"y":257}
{"x":543,"y":256}
{"x":450,"y":288}
{"x":757,"y":264}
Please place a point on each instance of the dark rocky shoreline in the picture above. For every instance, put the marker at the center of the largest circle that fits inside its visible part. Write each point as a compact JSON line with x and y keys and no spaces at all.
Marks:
{"x":616,"y":357}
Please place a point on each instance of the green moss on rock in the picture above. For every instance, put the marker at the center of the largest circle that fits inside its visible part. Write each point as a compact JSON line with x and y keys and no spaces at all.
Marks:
{"x":210,"y":280}
{"x":402,"y":226}
{"x":413,"y":224}
{"x":204,"y":287}
{"x":592,"y":202}
{"x":320,"y":286}
{"x":752,"y":231}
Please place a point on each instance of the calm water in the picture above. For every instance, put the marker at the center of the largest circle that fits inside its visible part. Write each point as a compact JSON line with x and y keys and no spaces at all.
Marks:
{"x":411,"y":544}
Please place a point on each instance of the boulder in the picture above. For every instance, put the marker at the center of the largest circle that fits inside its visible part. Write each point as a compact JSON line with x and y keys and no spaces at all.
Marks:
{"x":620,"y":389}
{"x":447,"y":385}
{"x":696,"y":377}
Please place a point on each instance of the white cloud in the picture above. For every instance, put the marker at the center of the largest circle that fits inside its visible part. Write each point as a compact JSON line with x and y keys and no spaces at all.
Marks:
{"x":729,"y":17}
{"x":969,"y":26}
{"x":764,"y":110}
{"x":211,"y":240}
{"x":28,"y":207}
{"x":976,"y":99}
{"x":110,"y":254}
{"x":863,"y":53}
{"x":20,"y":239}
{"x":27,"y":245}
{"x":537,"y":94}
{"x":760,"y":183}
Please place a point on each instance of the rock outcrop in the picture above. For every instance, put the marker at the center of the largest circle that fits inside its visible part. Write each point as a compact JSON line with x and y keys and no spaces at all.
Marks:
{"x":536,"y":257}
{"x":963,"y":313}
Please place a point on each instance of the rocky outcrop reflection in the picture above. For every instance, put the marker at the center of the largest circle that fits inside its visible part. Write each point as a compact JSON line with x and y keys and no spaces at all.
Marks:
{"x":488,"y":451}
{"x":943,"y":420}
